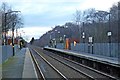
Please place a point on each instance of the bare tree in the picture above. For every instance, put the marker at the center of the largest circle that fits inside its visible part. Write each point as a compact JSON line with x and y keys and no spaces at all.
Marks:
{"x":10,"y":18}
{"x":78,"y":17}
{"x":10,"y":21}
{"x":114,"y":13}
{"x":101,"y":16}
{"x":89,"y":15}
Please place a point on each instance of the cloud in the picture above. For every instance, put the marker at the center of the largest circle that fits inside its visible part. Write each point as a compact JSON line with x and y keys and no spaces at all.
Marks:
{"x":42,"y":1}
{"x":97,"y":4}
{"x":40,"y":15}
{"x":43,"y":6}
{"x":40,"y":6}
{"x":36,"y":31}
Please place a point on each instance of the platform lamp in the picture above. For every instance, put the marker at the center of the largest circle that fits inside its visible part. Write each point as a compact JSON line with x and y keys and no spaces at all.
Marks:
{"x":109,"y":34}
{"x":12,"y":30}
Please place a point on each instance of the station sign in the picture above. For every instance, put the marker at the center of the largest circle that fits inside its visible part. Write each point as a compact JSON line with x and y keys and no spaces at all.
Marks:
{"x":90,"y":39}
{"x":109,"y":33}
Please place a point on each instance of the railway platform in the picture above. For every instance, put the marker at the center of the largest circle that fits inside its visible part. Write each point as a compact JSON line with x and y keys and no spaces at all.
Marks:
{"x":105,"y":64}
{"x":20,"y":66}
{"x":94,"y":57}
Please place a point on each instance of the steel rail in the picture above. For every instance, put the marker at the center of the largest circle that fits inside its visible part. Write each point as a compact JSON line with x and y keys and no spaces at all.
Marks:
{"x":38,"y":68}
{"x":63,"y":76}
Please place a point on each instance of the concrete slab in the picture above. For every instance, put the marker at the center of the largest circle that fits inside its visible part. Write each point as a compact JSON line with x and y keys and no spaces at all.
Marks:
{"x":13,"y":67}
{"x":19,"y":66}
{"x":109,"y":60}
{"x":29,"y":69}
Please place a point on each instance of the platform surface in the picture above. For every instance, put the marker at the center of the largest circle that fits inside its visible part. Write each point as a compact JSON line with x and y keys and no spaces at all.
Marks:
{"x":19,"y":66}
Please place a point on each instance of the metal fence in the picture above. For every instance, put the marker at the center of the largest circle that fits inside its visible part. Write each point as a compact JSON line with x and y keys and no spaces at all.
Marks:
{"x":7,"y":52}
{"x":104,"y":49}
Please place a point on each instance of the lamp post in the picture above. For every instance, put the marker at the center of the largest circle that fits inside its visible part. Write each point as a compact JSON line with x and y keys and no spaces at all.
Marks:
{"x":59,"y":36}
{"x":64,"y":40}
{"x":51,"y":42}
{"x":118,"y":30}
{"x":55,"y":41}
{"x":109,"y":37}
{"x":83,"y":37}
{"x":12,"y":30}
{"x":109,"y":33}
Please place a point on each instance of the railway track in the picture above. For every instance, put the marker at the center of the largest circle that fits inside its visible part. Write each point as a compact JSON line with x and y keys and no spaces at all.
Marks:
{"x":43,"y":74}
{"x":63,"y":68}
{"x":38,"y":70}
{"x":95,"y":73}
{"x":90,"y":72}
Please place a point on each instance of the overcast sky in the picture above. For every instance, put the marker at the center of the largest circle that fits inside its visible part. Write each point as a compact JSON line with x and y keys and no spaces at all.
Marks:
{"x":40,"y":15}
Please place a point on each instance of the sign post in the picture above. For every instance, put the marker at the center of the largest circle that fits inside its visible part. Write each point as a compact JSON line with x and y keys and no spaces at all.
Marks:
{"x":90,"y":43}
